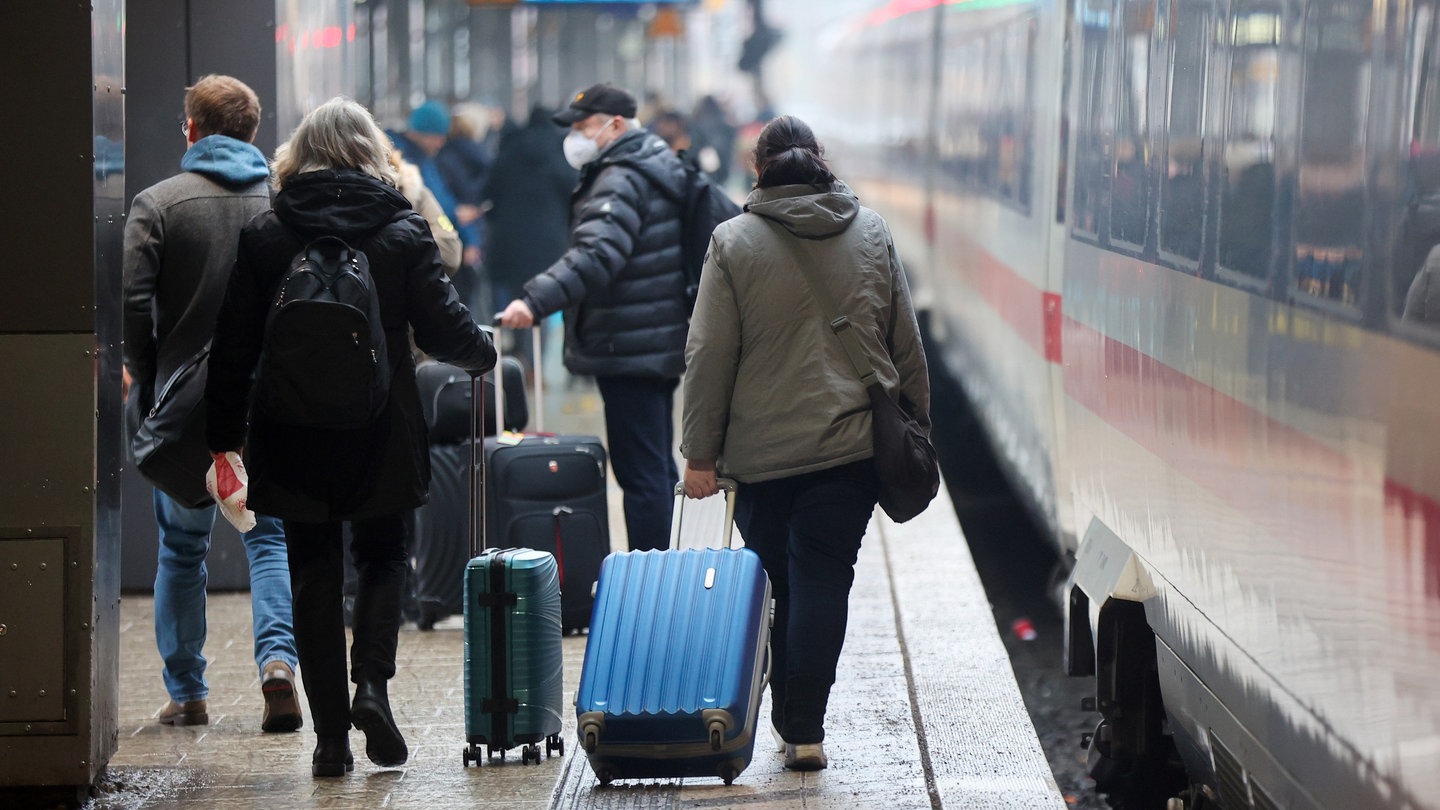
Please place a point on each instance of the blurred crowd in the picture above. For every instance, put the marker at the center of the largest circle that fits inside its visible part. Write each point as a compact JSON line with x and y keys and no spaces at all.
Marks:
{"x":496,"y":189}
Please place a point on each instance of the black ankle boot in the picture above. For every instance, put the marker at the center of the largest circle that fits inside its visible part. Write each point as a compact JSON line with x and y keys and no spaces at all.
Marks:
{"x":332,"y":756}
{"x":371,"y":714}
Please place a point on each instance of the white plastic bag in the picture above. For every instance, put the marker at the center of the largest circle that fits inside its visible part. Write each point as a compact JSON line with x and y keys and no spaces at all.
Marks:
{"x":228,"y":484}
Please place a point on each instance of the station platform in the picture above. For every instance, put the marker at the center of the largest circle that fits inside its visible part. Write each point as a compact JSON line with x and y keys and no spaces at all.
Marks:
{"x":925,"y":713}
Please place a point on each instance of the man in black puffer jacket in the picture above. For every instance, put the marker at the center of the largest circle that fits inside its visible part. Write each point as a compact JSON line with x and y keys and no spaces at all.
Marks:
{"x":622,"y":289}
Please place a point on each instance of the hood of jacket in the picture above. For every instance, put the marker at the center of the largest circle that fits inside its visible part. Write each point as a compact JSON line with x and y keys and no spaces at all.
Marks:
{"x":649,"y":155}
{"x":226,"y":159}
{"x":805,"y":212}
{"x":337,"y":201}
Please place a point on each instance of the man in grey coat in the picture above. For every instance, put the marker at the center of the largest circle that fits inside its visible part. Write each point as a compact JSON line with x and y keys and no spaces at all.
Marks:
{"x":180,"y":244}
{"x":622,"y":288}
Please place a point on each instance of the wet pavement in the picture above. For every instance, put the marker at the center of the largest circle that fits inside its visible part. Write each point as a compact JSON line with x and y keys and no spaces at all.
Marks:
{"x":925,"y":713}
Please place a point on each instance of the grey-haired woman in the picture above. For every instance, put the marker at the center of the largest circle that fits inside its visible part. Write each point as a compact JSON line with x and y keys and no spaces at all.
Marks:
{"x":334,"y":178}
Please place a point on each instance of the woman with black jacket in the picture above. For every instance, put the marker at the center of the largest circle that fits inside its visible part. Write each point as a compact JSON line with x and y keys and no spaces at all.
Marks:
{"x":334,"y":179}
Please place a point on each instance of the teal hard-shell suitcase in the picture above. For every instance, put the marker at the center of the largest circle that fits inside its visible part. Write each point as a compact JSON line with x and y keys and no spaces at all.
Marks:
{"x":513,"y":662}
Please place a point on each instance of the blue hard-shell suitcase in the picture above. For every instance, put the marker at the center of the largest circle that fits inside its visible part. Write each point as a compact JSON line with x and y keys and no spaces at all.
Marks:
{"x":676,"y":660}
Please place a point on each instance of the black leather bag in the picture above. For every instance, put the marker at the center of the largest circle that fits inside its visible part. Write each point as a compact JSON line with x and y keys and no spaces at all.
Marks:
{"x":169,"y":444}
{"x":905,"y":460}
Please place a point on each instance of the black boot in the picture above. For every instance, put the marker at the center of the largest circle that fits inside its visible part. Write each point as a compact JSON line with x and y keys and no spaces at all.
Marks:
{"x":379,"y":592}
{"x":332,"y":756}
{"x":371,"y":714}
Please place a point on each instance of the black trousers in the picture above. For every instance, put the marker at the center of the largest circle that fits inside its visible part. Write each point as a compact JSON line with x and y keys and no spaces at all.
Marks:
{"x":807,"y":530}
{"x":317,"y":575}
{"x":640,"y":432}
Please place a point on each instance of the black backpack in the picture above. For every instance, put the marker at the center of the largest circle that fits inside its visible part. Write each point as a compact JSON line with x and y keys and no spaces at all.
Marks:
{"x":324,"y":363}
{"x":703,"y":206}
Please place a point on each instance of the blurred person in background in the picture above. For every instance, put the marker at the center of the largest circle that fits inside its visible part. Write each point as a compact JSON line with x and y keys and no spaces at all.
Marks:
{"x":465,"y":164}
{"x":712,"y":139}
{"x":412,"y":185}
{"x":421,"y":144}
{"x":528,"y":209}
{"x":670,"y":126}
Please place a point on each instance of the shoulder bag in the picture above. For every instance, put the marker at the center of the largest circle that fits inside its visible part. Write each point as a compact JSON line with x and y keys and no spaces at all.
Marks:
{"x":169,"y":446}
{"x":905,"y":460}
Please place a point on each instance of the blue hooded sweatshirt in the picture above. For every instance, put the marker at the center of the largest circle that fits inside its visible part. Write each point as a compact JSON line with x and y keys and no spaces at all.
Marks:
{"x":227,"y":160}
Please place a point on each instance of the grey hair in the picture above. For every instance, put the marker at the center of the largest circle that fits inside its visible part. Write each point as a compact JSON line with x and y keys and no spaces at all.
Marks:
{"x":339,"y":134}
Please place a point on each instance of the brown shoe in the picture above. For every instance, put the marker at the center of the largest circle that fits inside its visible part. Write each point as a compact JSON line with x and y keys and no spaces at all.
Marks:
{"x":282,"y":709}
{"x":189,"y":713}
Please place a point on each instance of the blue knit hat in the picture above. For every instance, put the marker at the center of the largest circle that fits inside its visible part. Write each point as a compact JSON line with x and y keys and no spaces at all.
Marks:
{"x":430,"y":118}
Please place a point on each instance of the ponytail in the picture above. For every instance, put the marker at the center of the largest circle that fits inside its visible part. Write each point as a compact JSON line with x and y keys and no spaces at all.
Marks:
{"x":787,"y":153}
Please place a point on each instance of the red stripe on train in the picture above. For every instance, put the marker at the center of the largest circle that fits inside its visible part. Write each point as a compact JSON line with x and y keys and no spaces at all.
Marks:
{"x":1204,"y":433}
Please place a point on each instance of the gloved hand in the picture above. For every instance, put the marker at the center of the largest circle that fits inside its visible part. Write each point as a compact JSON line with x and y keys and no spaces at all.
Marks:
{"x":228,"y":484}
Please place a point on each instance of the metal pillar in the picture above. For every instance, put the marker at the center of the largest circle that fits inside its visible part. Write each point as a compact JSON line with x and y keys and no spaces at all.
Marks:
{"x":60,"y":414}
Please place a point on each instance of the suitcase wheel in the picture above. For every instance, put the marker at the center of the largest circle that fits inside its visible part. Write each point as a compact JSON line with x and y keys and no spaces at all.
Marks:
{"x":529,"y":754}
{"x":470,"y":755}
{"x":554,"y":744}
{"x":728,"y":772}
{"x":605,"y":774}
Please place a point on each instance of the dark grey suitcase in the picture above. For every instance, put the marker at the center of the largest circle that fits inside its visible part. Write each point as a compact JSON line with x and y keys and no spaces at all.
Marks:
{"x":438,"y":551}
{"x":548,"y":492}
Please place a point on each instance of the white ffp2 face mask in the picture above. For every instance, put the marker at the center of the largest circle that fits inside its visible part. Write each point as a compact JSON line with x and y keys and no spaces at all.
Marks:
{"x":580,"y":149}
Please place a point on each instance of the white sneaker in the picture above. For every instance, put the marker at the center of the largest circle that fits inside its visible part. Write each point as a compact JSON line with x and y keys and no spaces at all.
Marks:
{"x":806,"y":757}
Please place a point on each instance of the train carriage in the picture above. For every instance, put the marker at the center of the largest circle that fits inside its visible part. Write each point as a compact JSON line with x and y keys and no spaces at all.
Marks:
{"x":1167,"y":246}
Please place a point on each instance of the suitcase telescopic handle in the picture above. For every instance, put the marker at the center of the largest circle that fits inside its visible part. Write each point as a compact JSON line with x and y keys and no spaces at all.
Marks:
{"x":476,"y":499}
{"x":500,"y":378}
{"x":727,"y":486}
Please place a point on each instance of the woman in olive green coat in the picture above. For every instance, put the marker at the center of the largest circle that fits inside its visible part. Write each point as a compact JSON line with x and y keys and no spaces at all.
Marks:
{"x":772,"y":400}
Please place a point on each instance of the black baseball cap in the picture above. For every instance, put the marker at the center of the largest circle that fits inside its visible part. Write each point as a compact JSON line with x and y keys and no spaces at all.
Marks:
{"x":600,"y":98}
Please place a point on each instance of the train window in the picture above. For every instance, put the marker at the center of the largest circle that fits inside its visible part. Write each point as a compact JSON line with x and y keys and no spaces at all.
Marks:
{"x":986,"y":94}
{"x":1182,"y":188}
{"x":1247,"y":199}
{"x":1093,"y":133}
{"x":1330,"y":188}
{"x":1419,"y":230}
{"x":1014,"y":46}
{"x":960,"y":144}
{"x":1129,"y":191}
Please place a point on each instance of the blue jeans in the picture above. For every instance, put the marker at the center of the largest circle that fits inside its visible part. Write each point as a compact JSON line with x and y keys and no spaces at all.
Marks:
{"x":640,"y":432}
{"x":807,"y":530}
{"x":180,"y":594}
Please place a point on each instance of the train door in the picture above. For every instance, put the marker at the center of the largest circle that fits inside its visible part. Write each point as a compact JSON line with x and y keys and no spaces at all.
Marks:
{"x":1052,"y":184}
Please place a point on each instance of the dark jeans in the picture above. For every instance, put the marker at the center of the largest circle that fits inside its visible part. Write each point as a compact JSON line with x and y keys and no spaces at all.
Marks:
{"x":640,"y":432}
{"x":317,"y":573}
{"x":807,"y":530}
